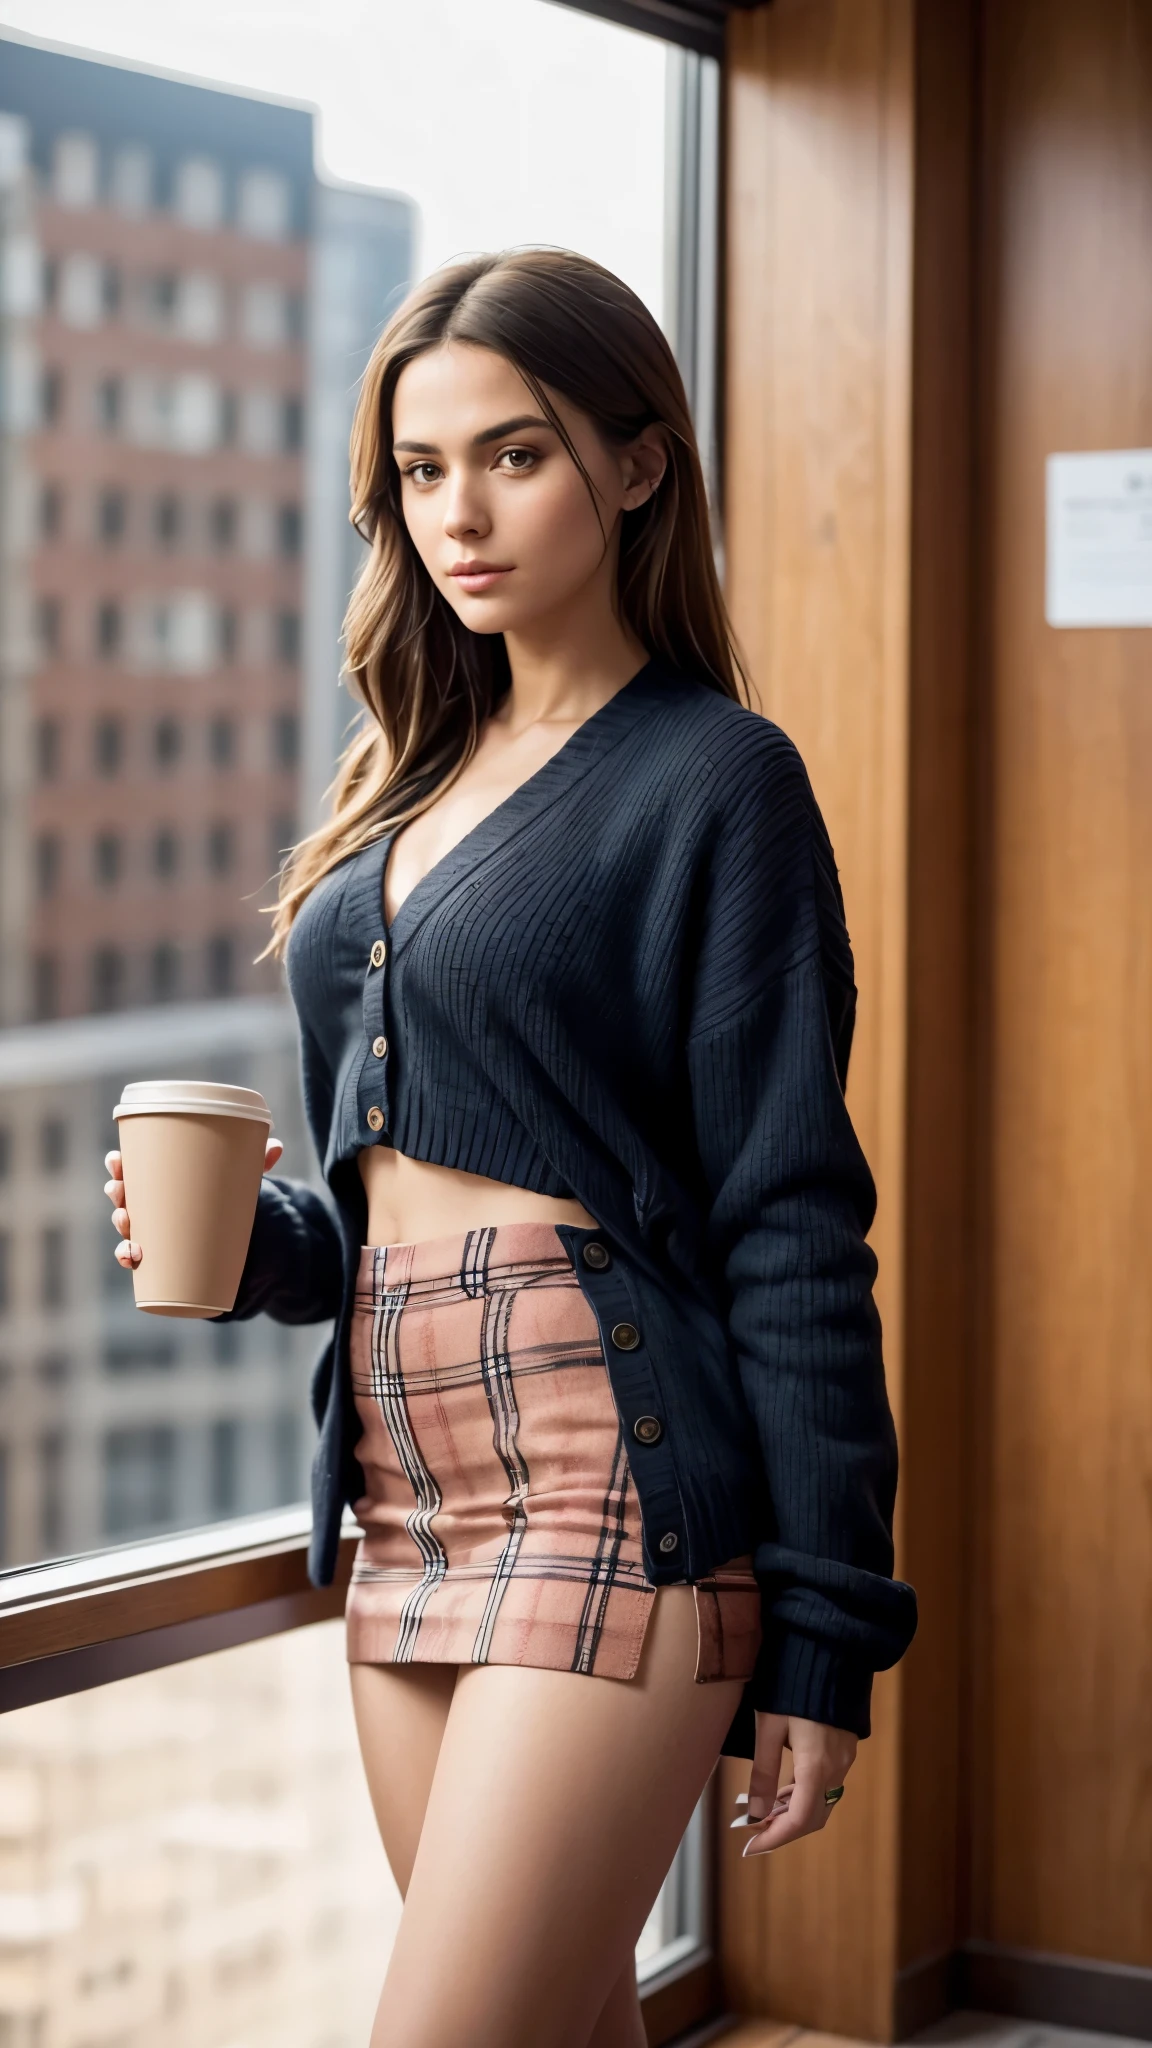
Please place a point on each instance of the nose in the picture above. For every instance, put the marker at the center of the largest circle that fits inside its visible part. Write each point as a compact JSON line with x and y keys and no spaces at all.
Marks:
{"x":464,"y":512}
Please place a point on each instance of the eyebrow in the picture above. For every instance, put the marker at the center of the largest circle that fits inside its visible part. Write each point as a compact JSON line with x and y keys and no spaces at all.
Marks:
{"x":525,"y":419}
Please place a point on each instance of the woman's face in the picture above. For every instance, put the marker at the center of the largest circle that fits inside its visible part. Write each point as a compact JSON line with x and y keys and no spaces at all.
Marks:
{"x":497,"y":510}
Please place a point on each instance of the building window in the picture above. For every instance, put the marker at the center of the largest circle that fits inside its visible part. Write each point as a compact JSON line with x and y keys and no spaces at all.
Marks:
{"x":108,"y":745}
{"x":226,"y":1343}
{"x":75,"y":170}
{"x":130,"y":185}
{"x":52,"y":1450}
{"x":264,"y":205}
{"x":5,"y":1152}
{"x":222,"y":742}
{"x":108,"y":859}
{"x":80,"y":291}
{"x":264,"y":315}
{"x":288,"y":637}
{"x":221,"y":849}
{"x":53,"y":1144}
{"x":221,"y":965}
{"x":165,"y":853}
{"x":111,"y":516}
{"x":49,"y":860}
{"x":229,"y":418}
{"x":49,"y":615}
{"x":222,"y":525}
{"x":224,"y":1467}
{"x":198,"y":194}
{"x":293,"y":424}
{"x":289,"y":529}
{"x":285,"y":739}
{"x":5,"y":1271}
{"x":45,"y":987}
{"x":109,"y":403}
{"x":113,"y":290}
{"x":228,"y":634}
{"x":109,"y":629}
{"x":51,"y":511}
{"x":286,"y":1457}
{"x":47,"y":749}
{"x":167,"y":741}
{"x":108,"y":978}
{"x":51,"y":397}
{"x":164,"y":970}
{"x":139,"y":1480}
{"x":53,"y":1266}
{"x":166,"y":520}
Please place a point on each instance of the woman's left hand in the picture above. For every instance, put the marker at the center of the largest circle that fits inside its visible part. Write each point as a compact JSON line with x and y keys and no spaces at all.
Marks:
{"x":821,"y":1760}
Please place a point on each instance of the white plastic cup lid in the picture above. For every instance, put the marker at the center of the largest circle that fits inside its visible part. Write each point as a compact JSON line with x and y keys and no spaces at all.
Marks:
{"x":192,"y":1098}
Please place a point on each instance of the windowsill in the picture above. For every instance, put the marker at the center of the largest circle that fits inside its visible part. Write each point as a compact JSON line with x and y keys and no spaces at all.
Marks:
{"x":50,"y":1610}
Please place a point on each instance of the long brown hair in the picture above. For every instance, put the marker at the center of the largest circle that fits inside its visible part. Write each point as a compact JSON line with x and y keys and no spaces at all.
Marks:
{"x":427,"y":683}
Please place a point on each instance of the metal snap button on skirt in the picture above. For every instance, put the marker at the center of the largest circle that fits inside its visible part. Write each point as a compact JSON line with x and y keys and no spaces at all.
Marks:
{"x":500,"y":1516}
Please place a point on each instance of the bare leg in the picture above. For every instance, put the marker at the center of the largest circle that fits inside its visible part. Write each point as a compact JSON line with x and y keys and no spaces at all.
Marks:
{"x":556,"y":1806}
{"x":401,"y":1711}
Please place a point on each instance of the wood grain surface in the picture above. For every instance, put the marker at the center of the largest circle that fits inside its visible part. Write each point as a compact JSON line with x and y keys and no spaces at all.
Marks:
{"x":1064,"y":1804}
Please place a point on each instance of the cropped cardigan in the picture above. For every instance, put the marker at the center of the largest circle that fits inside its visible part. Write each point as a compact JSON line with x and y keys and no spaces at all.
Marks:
{"x":632,"y":983}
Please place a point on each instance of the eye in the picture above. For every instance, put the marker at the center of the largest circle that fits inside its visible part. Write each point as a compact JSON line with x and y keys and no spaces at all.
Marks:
{"x":518,"y":460}
{"x":422,"y":472}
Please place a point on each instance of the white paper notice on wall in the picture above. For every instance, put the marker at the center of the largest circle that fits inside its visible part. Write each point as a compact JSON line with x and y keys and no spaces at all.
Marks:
{"x":1100,"y":538}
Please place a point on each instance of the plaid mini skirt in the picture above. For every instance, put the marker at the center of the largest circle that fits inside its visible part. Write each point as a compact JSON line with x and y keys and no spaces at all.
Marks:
{"x":500,"y":1518}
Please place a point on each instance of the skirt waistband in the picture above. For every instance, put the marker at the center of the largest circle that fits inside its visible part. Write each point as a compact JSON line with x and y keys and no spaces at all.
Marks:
{"x":481,"y":1261}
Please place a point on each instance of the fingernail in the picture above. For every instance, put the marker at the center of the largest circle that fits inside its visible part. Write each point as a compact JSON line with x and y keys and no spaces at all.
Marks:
{"x":741,"y":1799}
{"x":750,"y":1849}
{"x":749,"y":1820}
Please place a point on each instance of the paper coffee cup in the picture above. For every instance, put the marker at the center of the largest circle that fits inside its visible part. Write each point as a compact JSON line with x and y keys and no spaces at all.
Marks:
{"x":193,"y":1156}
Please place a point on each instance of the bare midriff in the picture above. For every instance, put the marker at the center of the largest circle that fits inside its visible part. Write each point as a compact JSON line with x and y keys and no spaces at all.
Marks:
{"x":408,"y":1200}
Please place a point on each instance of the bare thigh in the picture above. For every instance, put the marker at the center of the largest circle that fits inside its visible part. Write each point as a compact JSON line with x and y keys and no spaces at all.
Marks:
{"x":555,"y":1808}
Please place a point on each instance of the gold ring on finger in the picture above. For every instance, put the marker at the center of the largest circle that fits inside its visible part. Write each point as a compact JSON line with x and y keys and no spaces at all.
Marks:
{"x":836,"y":1792}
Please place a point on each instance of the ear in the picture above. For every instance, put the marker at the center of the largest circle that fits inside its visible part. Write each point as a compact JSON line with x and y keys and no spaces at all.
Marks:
{"x":644,"y":462}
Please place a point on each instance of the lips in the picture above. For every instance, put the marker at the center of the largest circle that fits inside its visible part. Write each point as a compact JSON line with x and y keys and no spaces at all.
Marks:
{"x":477,"y":576}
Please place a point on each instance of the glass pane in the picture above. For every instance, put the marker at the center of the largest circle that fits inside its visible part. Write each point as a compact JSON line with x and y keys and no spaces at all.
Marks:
{"x":187,"y":303}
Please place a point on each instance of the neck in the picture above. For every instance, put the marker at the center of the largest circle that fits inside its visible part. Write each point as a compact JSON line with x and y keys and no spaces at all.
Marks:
{"x":568,"y":663}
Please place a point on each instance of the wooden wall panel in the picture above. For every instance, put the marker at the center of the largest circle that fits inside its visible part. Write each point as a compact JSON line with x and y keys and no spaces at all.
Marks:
{"x":848,"y":465}
{"x":1064,"y":1840}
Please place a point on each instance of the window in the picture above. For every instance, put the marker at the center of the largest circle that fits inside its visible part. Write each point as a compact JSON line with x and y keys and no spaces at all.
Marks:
{"x":51,"y":397}
{"x":221,"y":975}
{"x":53,"y":1266}
{"x":109,"y":404}
{"x":164,"y":973}
{"x":293,"y":423}
{"x":286,"y":739}
{"x":5,"y":1152}
{"x":54,"y":1369}
{"x":224,"y":1466}
{"x":222,"y":742}
{"x":289,"y":529}
{"x":49,"y":617}
{"x":286,"y":1448}
{"x":75,"y":170}
{"x":52,"y":1454}
{"x":263,"y":205}
{"x":49,"y":859}
{"x":221,"y":848}
{"x":108,"y":859}
{"x":264,"y":315}
{"x":53,"y":1144}
{"x":130,"y":183}
{"x":109,"y":629}
{"x":198,"y":311}
{"x":51,"y":511}
{"x":111,"y":515}
{"x":165,"y":853}
{"x":198,"y":194}
{"x":228,"y":634}
{"x":139,"y":1480}
{"x":45,"y":987}
{"x":288,"y":637}
{"x":108,"y":745}
{"x":167,"y":742}
{"x":5,"y":1271}
{"x":222,"y":525}
{"x":108,"y":977}
{"x":47,"y":749}
{"x":166,"y":520}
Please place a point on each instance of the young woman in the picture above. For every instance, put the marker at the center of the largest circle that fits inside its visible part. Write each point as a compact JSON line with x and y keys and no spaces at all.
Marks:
{"x":575,"y":1000}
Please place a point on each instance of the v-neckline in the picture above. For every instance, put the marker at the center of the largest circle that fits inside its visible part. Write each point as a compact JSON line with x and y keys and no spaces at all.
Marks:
{"x":473,"y":846}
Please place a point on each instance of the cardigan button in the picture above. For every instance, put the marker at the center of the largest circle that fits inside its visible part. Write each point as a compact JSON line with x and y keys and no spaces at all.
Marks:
{"x":669,"y":1542}
{"x":379,"y":1047}
{"x":597,"y":1256}
{"x":375,"y":1119}
{"x":625,"y":1336}
{"x":378,"y":953}
{"x":647,"y":1429}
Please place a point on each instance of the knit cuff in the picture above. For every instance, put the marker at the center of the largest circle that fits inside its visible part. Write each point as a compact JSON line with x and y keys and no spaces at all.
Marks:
{"x":795,"y":1674}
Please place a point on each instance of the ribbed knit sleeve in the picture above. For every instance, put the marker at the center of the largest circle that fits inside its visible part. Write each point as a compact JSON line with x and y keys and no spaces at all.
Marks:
{"x":791,"y":1200}
{"x":293,"y":1269}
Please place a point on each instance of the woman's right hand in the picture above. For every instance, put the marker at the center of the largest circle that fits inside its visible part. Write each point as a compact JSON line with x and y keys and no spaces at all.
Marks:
{"x":126,"y":1253}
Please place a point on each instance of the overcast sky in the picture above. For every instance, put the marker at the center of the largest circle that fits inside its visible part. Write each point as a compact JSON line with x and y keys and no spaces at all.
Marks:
{"x":507,"y":121}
